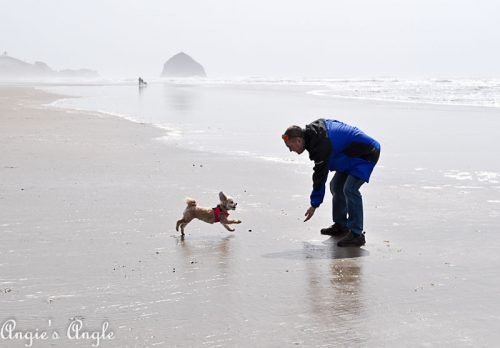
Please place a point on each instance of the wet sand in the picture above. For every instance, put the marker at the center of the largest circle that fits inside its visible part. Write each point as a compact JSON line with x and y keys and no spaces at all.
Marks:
{"x":88,"y":208}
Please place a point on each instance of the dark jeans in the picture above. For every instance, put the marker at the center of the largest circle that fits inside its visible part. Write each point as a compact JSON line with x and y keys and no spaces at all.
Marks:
{"x":347,"y":203}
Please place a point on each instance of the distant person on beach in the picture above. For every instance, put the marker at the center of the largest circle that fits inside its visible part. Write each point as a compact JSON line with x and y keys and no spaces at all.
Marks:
{"x":336,"y":146}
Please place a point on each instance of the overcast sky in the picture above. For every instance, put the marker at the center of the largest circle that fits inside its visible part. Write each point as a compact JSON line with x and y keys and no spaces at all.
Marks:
{"x":279,"y":38}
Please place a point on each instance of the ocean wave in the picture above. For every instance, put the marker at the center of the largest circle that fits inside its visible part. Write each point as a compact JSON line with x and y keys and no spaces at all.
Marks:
{"x":172,"y":132}
{"x":439,"y":92}
{"x":463,"y":92}
{"x":478,"y":176}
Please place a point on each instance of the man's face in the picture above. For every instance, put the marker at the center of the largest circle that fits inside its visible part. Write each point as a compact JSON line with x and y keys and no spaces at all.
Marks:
{"x":295,"y":145}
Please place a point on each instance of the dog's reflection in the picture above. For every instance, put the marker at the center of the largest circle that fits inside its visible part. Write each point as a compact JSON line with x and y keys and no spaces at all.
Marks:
{"x":206,"y":251}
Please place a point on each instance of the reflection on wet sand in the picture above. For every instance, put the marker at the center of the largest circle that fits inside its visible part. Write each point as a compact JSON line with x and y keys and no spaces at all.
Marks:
{"x":180,"y":97}
{"x":320,"y":250}
{"x":336,"y":297}
{"x":212,"y":252}
{"x":205,"y":278}
{"x":333,"y":297}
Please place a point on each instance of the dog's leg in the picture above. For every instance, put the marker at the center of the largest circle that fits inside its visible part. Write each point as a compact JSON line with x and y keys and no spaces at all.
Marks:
{"x":228,"y":228}
{"x":224,"y":221}
{"x":184,"y":222}
{"x":179,"y":222}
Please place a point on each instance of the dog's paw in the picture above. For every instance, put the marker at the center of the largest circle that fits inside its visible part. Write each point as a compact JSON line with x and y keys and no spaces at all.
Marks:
{"x":231,"y":229}
{"x":237,"y":221}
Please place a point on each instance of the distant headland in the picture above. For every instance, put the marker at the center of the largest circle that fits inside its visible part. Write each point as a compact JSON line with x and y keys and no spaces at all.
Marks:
{"x":15,"y":69}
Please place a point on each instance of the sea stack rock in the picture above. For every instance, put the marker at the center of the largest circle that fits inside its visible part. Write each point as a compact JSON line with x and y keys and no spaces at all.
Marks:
{"x":182,"y":65}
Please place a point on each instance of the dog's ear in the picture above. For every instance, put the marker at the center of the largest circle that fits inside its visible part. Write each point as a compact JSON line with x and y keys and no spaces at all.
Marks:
{"x":222,"y":197}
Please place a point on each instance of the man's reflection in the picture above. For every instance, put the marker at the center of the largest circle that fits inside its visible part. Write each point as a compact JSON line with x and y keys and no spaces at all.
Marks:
{"x":336,"y":295}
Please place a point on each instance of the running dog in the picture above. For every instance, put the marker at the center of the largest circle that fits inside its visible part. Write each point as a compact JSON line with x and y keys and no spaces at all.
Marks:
{"x":209,"y":215}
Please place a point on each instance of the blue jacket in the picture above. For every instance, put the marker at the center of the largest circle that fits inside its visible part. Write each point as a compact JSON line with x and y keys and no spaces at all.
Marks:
{"x":336,"y":146}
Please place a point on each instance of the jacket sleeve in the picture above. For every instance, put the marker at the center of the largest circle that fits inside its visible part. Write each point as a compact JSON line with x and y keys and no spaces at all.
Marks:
{"x":319,"y":152}
{"x":320,"y":175}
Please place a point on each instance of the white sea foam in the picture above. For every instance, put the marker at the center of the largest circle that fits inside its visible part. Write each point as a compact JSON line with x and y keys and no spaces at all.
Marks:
{"x":432,"y":187}
{"x":491,"y":177}
{"x":173,"y":132}
{"x":469,"y":187}
{"x":442,"y":92}
{"x":278,"y":160}
{"x":459,"y":175}
{"x":465,"y":92}
{"x":481,"y":177}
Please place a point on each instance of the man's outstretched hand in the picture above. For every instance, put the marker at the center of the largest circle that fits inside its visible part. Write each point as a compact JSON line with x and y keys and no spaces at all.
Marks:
{"x":309,"y":213}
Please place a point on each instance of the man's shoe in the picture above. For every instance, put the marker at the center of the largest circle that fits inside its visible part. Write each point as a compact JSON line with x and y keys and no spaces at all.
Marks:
{"x":334,"y":230}
{"x":352,"y":240}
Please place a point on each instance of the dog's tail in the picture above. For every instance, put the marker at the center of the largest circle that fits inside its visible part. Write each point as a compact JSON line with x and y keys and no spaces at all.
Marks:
{"x":190,"y":202}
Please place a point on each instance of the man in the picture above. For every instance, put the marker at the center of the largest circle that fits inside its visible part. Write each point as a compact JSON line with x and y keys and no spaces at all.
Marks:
{"x":336,"y":146}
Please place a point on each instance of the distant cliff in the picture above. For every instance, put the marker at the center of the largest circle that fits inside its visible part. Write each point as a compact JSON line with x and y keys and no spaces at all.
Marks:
{"x":182,"y":65}
{"x":15,"y":69}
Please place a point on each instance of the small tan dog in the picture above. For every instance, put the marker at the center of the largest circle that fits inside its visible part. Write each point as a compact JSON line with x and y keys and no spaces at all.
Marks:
{"x":209,"y":215}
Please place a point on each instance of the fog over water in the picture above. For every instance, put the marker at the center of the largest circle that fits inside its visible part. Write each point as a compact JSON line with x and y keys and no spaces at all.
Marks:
{"x":411,"y":39}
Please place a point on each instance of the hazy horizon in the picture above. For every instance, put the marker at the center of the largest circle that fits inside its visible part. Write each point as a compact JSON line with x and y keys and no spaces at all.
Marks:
{"x":342,"y":39}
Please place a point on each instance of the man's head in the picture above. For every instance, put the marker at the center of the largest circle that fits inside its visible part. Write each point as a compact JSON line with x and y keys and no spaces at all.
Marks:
{"x":294,"y":139}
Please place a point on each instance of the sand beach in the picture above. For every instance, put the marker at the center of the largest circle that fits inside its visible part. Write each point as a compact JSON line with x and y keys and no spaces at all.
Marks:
{"x":88,"y":204}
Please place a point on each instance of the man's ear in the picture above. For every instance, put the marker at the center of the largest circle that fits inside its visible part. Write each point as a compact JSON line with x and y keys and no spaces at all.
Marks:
{"x":222,"y":196}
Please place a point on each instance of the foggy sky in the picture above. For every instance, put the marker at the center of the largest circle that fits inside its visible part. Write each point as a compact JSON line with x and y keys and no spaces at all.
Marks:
{"x":275,"y":38}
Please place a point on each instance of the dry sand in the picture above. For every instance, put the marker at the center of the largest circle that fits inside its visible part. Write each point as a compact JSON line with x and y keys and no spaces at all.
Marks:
{"x":88,"y":205}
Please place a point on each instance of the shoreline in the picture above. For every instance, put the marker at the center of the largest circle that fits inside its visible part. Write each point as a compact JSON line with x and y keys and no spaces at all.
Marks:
{"x":305,"y":87}
{"x":370,"y":115}
{"x":318,"y":87}
{"x":169,"y":133}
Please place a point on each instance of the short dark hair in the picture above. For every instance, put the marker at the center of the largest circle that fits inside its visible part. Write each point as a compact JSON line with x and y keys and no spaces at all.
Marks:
{"x":294,"y":132}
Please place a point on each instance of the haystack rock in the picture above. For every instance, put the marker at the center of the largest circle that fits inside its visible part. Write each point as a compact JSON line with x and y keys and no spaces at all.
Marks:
{"x":182,"y":65}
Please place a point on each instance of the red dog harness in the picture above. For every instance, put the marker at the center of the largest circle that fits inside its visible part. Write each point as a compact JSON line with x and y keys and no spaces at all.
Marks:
{"x":217,"y":211}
